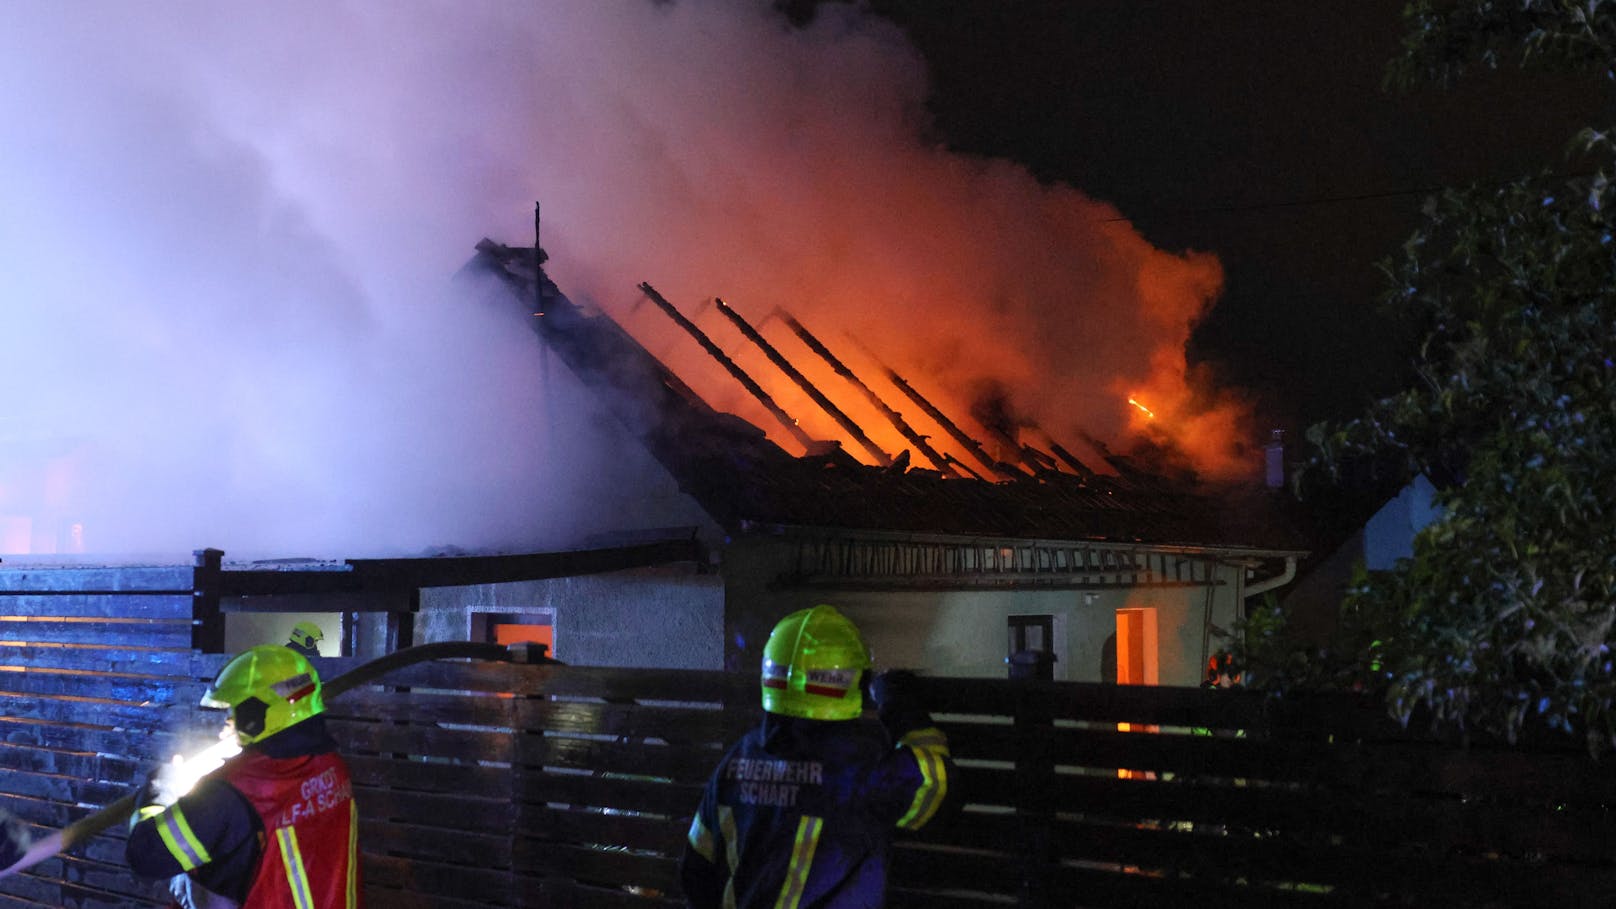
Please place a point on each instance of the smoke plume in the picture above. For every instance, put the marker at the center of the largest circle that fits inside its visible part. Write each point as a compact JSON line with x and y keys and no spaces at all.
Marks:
{"x":227,"y":232}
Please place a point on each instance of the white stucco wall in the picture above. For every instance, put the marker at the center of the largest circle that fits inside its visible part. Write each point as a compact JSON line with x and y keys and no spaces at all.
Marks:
{"x":965,"y":633}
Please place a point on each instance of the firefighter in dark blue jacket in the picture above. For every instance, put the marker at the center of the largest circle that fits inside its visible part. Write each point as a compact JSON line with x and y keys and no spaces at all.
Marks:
{"x":800,"y":813}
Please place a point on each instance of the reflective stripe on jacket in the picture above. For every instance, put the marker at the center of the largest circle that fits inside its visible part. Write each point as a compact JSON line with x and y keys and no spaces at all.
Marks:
{"x":801,"y":813}
{"x":311,"y":825}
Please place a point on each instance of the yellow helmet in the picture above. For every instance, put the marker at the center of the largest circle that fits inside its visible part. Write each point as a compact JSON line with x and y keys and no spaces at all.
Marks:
{"x":266,"y":689}
{"x":812,"y":664}
{"x":307,"y":635}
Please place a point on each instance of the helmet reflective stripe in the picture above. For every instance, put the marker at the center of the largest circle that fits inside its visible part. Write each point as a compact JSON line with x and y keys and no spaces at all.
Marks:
{"x":811,"y":666}
{"x":294,"y":688}
{"x":831,"y":683}
{"x":775,"y":674}
{"x":292,"y":859}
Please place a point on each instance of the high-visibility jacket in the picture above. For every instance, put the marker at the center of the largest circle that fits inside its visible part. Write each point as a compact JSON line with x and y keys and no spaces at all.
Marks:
{"x":800,"y":814}
{"x":311,"y":831}
{"x":274,"y":829}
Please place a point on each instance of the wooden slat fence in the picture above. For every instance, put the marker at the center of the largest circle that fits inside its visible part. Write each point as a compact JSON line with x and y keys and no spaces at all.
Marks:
{"x":98,"y":682}
{"x":511,"y":786}
{"x":571,"y":786}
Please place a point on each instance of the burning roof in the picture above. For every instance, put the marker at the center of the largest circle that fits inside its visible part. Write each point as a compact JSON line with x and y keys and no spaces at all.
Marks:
{"x":949,"y":483}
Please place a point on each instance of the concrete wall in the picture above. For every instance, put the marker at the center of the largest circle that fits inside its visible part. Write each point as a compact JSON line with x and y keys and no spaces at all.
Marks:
{"x":668,"y":617}
{"x":965,"y":633}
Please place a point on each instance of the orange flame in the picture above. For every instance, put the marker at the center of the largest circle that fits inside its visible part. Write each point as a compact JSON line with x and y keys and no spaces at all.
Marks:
{"x":1142,"y":409}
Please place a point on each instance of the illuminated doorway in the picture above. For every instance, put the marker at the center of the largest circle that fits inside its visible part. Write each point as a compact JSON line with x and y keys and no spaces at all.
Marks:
{"x":1136,"y":665}
{"x":1136,"y":647}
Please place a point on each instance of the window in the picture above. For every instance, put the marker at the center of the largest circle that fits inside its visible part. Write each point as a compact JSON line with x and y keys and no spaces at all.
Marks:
{"x":535,"y":626}
{"x":1032,"y":646}
{"x":1032,"y":632}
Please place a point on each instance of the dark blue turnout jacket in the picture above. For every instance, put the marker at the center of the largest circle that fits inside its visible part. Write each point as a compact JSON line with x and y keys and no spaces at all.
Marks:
{"x":800,"y":813}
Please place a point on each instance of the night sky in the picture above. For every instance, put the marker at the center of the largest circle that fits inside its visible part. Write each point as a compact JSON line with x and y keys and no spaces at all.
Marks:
{"x":1259,"y":131}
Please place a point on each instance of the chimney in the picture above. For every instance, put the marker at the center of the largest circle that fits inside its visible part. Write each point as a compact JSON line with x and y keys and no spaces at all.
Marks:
{"x":1274,"y":459}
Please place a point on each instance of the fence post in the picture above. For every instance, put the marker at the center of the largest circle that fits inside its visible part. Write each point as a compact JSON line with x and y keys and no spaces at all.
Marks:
{"x":1035,"y":770}
{"x":207,"y":619}
{"x":400,"y":631}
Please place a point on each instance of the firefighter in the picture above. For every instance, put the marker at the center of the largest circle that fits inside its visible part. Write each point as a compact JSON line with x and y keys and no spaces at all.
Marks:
{"x":306,"y":638}
{"x":802,"y":810}
{"x":276,"y":827}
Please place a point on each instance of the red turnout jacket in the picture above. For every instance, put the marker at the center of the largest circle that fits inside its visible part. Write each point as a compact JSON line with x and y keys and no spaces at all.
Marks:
{"x":276,"y":828}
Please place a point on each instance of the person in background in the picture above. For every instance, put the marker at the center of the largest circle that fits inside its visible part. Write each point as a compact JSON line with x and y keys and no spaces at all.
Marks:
{"x":276,"y":826}
{"x":802,"y":810}
{"x":306,"y":638}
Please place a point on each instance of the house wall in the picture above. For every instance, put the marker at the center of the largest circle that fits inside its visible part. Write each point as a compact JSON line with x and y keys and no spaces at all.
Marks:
{"x":965,"y":633}
{"x":1313,"y":604}
{"x":1389,"y":533}
{"x":665,"y":618}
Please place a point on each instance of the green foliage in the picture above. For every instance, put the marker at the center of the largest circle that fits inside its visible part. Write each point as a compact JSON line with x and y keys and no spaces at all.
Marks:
{"x":1443,"y":38}
{"x":1505,"y":616}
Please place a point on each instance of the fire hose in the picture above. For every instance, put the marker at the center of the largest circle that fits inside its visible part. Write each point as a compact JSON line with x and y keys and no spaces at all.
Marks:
{"x":118,"y":812}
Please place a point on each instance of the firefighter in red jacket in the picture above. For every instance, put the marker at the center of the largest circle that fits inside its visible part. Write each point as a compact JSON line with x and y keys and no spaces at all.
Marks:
{"x":801,"y":811}
{"x":274,"y":828}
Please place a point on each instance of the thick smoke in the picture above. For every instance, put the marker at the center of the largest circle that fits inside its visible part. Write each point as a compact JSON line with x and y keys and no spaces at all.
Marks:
{"x":227,"y":229}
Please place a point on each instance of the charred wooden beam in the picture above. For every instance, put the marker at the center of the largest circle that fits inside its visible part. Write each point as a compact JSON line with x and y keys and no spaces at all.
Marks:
{"x":1070,"y":460}
{"x":949,"y":426}
{"x":825,"y":404}
{"x":1042,"y":461}
{"x":1130,"y":475}
{"x":957,"y":466}
{"x":1026,"y":457}
{"x":729,"y":365}
{"x":594,"y":347}
{"x":941,"y":462}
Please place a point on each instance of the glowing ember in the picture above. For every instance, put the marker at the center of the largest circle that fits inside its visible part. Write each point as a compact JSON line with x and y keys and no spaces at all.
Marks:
{"x":1142,"y":409}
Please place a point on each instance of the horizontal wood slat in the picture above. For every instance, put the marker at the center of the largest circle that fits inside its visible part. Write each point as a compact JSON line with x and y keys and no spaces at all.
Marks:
{"x":119,"y":579}
{"x":109,"y":656}
{"x":171,"y":607}
{"x":167,"y":635}
{"x":159,"y":693}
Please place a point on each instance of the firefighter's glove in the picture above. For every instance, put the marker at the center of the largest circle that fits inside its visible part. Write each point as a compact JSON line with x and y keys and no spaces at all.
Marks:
{"x":14,"y":839}
{"x":898,"y":701}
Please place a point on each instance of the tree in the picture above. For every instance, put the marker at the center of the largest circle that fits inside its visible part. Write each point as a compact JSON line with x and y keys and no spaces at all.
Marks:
{"x":1443,"y":39}
{"x":1506,"y":613}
